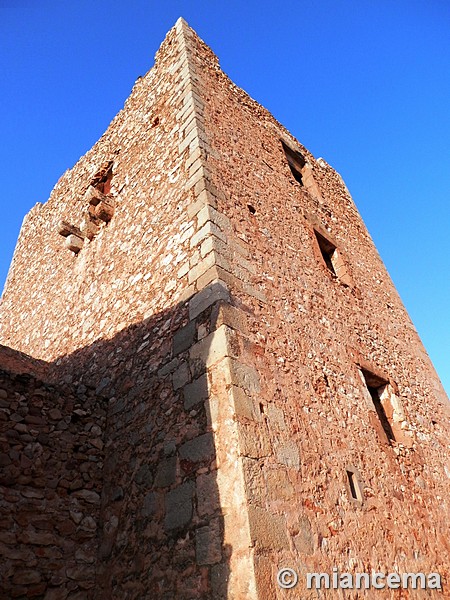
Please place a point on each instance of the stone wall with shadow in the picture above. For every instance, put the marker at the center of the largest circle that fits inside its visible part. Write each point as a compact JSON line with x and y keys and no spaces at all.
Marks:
{"x":109,"y":471}
{"x":51,"y":463}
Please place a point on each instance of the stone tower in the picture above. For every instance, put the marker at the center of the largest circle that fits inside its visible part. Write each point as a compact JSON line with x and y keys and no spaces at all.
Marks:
{"x":207,"y":374}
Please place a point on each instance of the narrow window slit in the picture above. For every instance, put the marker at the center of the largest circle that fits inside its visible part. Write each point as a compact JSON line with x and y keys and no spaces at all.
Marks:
{"x":376,"y":386}
{"x":328,"y":251}
{"x":296,"y":162}
{"x":355,"y":488}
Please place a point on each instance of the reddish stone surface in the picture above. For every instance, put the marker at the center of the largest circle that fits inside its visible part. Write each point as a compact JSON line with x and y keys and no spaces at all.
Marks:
{"x":47,"y":450}
{"x":224,"y":380}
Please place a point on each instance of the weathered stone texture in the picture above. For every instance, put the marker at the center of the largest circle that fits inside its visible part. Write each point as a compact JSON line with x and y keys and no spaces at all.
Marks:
{"x":309,"y":339}
{"x":51,"y":464}
{"x":222,"y":349}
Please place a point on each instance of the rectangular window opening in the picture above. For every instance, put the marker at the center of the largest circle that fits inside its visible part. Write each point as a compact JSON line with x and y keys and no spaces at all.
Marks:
{"x":296,"y":162}
{"x":328,"y":251}
{"x":355,"y":489}
{"x":376,"y":387}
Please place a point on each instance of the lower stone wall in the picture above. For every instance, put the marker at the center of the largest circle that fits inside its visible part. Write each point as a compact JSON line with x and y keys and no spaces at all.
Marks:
{"x":51,"y":460}
{"x":125,"y":482}
{"x":162,"y":530}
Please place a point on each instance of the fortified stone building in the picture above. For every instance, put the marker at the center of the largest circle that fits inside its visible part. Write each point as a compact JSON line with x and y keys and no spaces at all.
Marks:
{"x":206,"y":371}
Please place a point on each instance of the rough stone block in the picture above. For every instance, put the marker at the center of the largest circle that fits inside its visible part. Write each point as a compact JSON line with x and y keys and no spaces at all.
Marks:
{"x":233,"y":259}
{"x":234,"y":283}
{"x":65,"y":229}
{"x":196,"y":154}
{"x":193,"y":209}
{"x":255,"y":488}
{"x":89,"y":229}
{"x":244,"y":406}
{"x":198,"y":171}
{"x":179,"y":506}
{"x":275,"y":416}
{"x":181,"y":376}
{"x":186,"y":294}
{"x":200,"y":162}
{"x":279,"y":487}
{"x":184,"y":338}
{"x":169,"y":367}
{"x":231,"y":265}
{"x":185,"y":112}
{"x":183,"y":270}
{"x":205,"y":234}
{"x":304,"y":540}
{"x":245,"y":377}
{"x":74,"y":243}
{"x":88,"y":495}
{"x":209,"y":277}
{"x":195,"y":392}
{"x":208,"y":500}
{"x":199,"y":449}
{"x":201,"y":267}
{"x":144,"y":476}
{"x":265,"y":575}
{"x":209,"y":295}
{"x":204,"y":183}
{"x":209,"y":213}
{"x":166,"y":472}
{"x":104,"y":210}
{"x":288,"y":454}
{"x":224,"y":313}
{"x":220,"y":575}
{"x":213,"y":348}
{"x":208,"y":197}
{"x":267,"y":530}
{"x":201,"y":173}
{"x":192,"y":96}
{"x":253,"y":441}
{"x":208,"y":543}
{"x":94,"y":196}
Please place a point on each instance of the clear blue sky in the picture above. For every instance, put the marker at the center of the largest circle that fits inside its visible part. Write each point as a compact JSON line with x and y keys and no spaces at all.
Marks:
{"x":363,"y":83}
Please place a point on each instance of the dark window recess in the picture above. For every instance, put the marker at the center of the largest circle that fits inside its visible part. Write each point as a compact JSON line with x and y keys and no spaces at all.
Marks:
{"x":327,"y":250}
{"x":251,"y":209}
{"x":355,"y":490}
{"x":296,"y":162}
{"x":376,"y":386}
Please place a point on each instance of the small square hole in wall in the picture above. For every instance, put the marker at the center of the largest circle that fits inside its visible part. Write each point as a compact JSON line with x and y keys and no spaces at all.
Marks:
{"x":296,"y":162}
{"x":376,"y":387}
{"x":354,"y":486}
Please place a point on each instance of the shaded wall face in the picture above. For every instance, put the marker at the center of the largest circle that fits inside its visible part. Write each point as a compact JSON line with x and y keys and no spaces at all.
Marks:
{"x":111,"y":492}
{"x":311,"y":339}
{"x":51,"y":459}
{"x":161,"y":532}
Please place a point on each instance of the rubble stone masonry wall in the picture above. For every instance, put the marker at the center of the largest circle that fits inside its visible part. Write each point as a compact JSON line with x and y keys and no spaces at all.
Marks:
{"x":224,"y":380}
{"x":313,"y":421}
{"x":51,"y":463}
